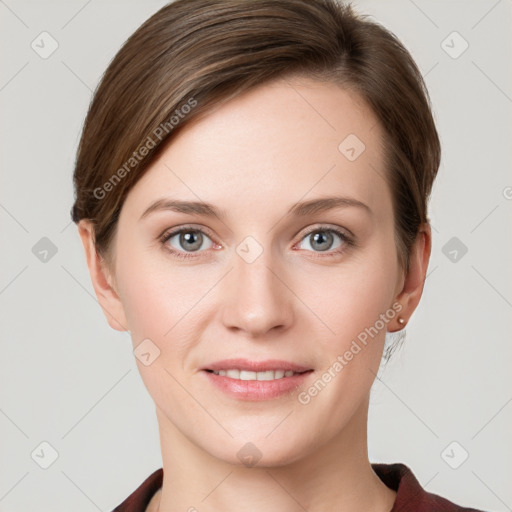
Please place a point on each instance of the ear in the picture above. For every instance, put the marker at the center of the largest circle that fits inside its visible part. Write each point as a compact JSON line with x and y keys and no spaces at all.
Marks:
{"x":102,"y":279}
{"x":412,"y":289}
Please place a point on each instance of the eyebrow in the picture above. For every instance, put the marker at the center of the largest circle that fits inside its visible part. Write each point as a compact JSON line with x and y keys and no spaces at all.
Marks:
{"x":301,"y":209}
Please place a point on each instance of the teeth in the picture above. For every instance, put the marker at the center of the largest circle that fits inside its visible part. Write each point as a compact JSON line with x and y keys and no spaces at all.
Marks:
{"x":248,"y":375}
{"x":233,"y":374}
{"x":268,"y":375}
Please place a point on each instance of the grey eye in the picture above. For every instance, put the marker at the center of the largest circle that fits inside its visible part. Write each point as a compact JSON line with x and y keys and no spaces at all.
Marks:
{"x":190,"y":240}
{"x":322,"y":240}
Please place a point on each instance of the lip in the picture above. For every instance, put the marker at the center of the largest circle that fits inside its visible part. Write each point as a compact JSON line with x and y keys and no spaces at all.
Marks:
{"x":256,"y":390}
{"x":255,"y":366}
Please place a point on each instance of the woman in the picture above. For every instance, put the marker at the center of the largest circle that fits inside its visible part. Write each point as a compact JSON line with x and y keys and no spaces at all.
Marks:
{"x":256,"y":132}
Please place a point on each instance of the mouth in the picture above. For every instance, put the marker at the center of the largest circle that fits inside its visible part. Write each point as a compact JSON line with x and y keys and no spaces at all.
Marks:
{"x":256,"y":380}
{"x":237,"y":374}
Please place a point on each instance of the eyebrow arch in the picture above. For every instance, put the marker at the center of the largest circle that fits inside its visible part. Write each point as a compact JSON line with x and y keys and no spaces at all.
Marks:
{"x":191,"y":207}
{"x":325,"y":203}
{"x":298,"y":209}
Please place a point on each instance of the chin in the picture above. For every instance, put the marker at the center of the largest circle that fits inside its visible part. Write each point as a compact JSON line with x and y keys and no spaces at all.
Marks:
{"x":257,"y":449}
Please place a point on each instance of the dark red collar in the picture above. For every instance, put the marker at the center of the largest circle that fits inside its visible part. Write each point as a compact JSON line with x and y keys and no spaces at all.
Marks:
{"x":410,"y":496}
{"x":398,"y":477}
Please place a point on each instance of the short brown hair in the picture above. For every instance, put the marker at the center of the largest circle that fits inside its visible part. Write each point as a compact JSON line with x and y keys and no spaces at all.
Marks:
{"x":203,"y":52}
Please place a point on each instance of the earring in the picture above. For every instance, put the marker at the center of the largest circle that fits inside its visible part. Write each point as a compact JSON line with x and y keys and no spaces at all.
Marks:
{"x":401,"y":321}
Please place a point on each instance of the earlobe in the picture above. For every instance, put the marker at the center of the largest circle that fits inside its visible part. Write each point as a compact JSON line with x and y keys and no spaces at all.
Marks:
{"x":410,"y":294}
{"x":101,"y":279}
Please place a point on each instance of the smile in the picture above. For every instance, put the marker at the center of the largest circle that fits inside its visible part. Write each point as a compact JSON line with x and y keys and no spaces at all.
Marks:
{"x":249,"y":375}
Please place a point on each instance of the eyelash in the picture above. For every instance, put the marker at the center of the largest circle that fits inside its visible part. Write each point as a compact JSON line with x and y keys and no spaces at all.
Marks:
{"x":348,"y":241}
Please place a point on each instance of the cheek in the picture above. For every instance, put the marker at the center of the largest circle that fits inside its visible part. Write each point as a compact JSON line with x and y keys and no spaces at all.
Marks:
{"x":356,"y":305}
{"x":157,"y":295}
{"x":352,"y":298}
{"x":158,"y":301}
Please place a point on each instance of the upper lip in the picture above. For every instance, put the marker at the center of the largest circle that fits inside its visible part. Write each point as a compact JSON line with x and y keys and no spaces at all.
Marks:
{"x":255,"y":366}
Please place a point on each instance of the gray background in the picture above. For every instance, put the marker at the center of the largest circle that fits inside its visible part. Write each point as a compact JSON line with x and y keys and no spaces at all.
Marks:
{"x":69,"y":380}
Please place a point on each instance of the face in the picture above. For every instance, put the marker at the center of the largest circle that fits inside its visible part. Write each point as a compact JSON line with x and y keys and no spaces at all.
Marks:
{"x":270,"y":285}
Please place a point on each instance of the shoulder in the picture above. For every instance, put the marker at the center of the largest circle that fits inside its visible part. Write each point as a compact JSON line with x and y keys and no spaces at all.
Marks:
{"x":140,"y":498}
{"x":410,"y":495}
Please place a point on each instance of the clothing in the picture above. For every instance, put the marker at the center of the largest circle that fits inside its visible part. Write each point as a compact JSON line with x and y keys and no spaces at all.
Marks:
{"x":410,"y":495}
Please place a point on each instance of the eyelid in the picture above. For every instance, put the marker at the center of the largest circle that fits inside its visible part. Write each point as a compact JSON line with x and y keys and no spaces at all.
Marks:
{"x":191,"y":227}
{"x":327,"y":227}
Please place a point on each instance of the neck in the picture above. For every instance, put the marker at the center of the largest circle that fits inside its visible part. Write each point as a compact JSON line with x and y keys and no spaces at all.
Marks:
{"x":337,"y":476}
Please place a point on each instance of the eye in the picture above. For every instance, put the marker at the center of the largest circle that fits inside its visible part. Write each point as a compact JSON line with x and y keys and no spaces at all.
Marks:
{"x":184,"y":240}
{"x":323,"y":239}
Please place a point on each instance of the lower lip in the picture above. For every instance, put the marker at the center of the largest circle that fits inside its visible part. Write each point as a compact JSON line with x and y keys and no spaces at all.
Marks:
{"x":257,"y":389}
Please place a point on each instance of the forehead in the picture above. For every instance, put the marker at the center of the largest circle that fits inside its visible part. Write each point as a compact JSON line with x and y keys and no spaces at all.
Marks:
{"x":271,"y":146}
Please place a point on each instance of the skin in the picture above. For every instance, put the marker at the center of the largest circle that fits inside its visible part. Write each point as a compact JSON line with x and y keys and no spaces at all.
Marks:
{"x":255,"y":156}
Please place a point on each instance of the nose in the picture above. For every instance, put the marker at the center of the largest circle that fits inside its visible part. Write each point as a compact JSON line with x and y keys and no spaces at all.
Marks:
{"x":255,"y":298}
